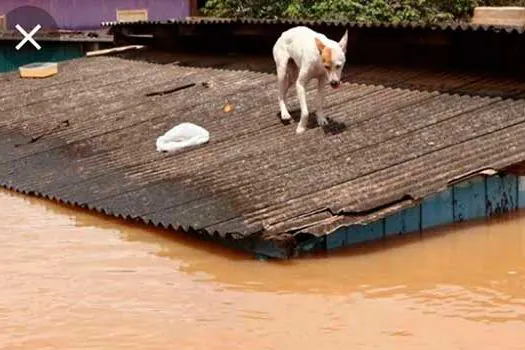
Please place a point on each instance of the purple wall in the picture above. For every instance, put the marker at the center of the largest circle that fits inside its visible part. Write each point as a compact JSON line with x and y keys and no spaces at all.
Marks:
{"x":88,"y":14}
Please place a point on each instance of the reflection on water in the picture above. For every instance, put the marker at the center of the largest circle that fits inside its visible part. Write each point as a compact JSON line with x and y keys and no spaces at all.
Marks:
{"x":73,"y":280}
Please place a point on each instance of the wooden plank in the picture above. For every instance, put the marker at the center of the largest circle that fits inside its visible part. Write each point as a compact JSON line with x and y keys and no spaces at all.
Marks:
{"x":521,"y":192}
{"x":469,"y":199}
{"x":364,"y":233}
{"x":406,"y":221}
{"x":114,"y":50}
{"x":501,"y":194}
{"x":499,"y":15}
{"x":394,"y":224}
{"x":412,"y":219}
{"x":336,"y":239}
{"x":132,"y":15}
{"x":437,"y":210}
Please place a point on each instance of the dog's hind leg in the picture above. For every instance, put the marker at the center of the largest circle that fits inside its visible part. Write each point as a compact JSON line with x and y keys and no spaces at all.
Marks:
{"x":283,"y":79}
{"x":292,"y":72}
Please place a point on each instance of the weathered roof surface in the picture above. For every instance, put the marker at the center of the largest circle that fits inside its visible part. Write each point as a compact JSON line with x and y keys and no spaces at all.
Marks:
{"x":87,"y":136}
{"x":450,"y":26}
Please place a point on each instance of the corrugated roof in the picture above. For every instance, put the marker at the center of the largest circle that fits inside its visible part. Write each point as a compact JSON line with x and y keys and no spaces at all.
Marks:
{"x":87,"y":137}
{"x":453,"y":26}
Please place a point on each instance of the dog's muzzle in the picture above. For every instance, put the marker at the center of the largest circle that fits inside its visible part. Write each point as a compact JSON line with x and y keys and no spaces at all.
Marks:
{"x":334,"y":83}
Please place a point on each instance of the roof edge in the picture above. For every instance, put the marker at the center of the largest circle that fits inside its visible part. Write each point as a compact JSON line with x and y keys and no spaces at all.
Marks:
{"x":446,"y":26}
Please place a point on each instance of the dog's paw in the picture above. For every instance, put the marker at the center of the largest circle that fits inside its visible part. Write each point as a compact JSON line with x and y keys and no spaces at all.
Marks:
{"x":322,"y":121}
{"x":300,"y":129}
{"x":285,"y":117}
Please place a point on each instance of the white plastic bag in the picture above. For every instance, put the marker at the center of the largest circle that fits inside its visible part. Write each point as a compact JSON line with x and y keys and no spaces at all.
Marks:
{"x":182,"y":136}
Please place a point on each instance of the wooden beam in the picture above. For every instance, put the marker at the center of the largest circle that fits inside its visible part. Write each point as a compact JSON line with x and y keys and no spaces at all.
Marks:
{"x":506,"y":15}
{"x":113,"y":50}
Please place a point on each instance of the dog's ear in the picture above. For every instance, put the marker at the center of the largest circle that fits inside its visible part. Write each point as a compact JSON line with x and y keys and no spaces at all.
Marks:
{"x":320,"y":45}
{"x":344,"y":41}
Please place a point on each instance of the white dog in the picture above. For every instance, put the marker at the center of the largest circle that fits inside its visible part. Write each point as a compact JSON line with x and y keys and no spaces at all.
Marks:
{"x":300,"y":55}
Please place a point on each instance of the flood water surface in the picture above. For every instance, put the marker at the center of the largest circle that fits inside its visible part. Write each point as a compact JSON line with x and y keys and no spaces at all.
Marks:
{"x":73,"y":280}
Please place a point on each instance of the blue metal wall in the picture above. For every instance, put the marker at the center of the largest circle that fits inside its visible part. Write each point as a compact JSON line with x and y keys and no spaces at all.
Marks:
{"x":481,"y":197}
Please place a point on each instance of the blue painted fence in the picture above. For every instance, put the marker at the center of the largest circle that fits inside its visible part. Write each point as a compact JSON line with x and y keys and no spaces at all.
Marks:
{"x":477,"y":198}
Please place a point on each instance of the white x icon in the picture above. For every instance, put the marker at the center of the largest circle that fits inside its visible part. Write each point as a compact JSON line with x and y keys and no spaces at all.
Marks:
{"x":28,"y":37}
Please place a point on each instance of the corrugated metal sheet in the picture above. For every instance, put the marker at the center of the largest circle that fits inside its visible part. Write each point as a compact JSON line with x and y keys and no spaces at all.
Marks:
{"x":459,"y":26}
{"x":493,"y":48}
{"x":82,"y":14}
{"x":87,"y":136}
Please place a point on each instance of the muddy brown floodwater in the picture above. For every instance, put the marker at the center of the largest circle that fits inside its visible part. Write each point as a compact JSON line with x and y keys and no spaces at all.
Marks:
{"x":73,"y":280}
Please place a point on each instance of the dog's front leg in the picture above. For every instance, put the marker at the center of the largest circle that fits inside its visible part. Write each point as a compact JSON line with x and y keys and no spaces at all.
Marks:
{"x":321,"y":119}
{"x":301,"y":94}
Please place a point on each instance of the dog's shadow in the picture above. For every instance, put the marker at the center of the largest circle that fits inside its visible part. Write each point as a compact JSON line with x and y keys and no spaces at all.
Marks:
{"x":332,"y":128}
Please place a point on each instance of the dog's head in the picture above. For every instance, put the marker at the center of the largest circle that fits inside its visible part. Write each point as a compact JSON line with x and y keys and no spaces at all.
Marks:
{"x":333,"y":57}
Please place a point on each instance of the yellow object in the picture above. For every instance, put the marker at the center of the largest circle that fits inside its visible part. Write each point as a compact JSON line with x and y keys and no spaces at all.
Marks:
{"x":38,"y":70}
{"x":228,"y":108}
{"x":134,"y":15}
